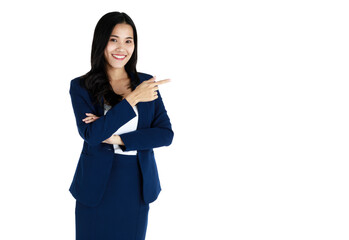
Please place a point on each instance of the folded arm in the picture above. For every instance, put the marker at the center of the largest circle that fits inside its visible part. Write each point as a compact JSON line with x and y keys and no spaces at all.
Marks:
{"x":159,"y":134}
{"x":101,"y":129}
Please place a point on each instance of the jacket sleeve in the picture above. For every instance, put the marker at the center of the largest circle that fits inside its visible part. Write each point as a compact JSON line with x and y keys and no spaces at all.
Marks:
{"x":159,"y":134}
{"x":104,"y":127}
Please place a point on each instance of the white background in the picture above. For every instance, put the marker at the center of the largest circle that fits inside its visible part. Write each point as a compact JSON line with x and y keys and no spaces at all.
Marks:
{"x":258,"y":103}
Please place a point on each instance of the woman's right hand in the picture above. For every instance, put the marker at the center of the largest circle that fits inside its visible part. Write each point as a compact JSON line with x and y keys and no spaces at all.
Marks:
{"x":146,"y":91}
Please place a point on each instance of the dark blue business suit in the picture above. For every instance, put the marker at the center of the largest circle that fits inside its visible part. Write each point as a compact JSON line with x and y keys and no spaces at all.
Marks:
{"x":96,"y":158}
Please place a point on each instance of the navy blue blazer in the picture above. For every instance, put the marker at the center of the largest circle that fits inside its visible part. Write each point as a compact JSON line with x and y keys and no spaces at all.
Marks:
{"x":96,"y":158}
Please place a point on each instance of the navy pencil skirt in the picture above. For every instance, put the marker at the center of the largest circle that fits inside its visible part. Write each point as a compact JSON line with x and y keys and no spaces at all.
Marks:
{"x":122,"y":213}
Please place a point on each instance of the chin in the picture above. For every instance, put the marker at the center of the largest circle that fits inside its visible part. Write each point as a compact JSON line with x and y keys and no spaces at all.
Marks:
{"x":120,"y":65}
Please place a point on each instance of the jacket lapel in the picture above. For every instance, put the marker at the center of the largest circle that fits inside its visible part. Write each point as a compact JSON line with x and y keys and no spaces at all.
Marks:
{"x":141,"y":107}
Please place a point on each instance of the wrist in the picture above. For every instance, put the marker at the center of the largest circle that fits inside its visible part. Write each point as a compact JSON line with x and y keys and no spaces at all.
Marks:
{"x":118,"y":140}
{"x":132,"y":99}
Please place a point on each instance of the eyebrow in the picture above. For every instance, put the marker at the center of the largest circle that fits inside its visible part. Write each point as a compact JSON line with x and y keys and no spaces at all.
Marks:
{"x":118,"y":36}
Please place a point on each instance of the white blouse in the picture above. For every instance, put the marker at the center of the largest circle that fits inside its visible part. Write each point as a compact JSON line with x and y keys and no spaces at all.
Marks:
{"x":127,"y":127}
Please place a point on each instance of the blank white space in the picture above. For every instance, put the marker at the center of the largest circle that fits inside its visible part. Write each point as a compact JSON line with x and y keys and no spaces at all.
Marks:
{"x":258,"y":103}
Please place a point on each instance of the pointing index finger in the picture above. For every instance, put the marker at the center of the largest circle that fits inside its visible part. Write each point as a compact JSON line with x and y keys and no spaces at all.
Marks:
{"x":161,"y":82}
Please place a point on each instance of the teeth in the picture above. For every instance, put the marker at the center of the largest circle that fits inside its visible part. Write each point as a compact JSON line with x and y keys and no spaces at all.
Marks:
{"x":119,"y":56}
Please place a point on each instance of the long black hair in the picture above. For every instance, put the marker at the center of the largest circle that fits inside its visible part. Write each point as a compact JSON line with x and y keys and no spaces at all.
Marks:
{"x":96,"y":80}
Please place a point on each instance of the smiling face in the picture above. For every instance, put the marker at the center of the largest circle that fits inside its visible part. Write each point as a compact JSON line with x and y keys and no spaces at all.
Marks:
{"x":120,"y":46}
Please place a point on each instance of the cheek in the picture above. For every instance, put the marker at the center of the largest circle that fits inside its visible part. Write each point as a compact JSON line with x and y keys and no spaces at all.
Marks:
{"x":131,"y":49}
{"x":106,"y":52}
{"x":106,"y":56}
{"x":107,"y":49}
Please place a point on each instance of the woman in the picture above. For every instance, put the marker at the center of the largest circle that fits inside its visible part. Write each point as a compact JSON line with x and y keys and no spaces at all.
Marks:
{"x":121,"y":117}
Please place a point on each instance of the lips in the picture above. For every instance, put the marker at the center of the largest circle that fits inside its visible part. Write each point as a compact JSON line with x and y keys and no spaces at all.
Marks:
{"x":119,"y":57}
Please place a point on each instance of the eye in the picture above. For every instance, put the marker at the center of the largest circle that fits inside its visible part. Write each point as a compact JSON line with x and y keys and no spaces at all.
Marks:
{"x":129,"y":41}
{"x":113,"y":40}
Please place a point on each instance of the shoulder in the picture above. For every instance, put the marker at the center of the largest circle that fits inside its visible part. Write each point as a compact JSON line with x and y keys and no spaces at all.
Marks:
{"x":144,"y":76}
{"x":76,"y":82}
{"x":76,"y":86}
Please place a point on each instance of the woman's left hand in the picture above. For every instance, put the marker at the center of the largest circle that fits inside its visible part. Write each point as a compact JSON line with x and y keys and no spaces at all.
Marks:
{"x":114,"y":139}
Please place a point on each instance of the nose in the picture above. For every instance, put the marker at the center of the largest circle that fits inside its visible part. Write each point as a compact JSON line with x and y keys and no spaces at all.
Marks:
{"x":120,"y":47}
{"x":120,"y":50}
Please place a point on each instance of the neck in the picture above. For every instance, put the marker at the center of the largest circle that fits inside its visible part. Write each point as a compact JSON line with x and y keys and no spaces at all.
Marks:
{"x":116,"y":74}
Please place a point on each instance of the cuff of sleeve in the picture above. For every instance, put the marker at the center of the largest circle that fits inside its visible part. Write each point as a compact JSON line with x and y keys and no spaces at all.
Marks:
{"x":127,"y":146}
{"x":122,"y":147}
{"x":125,"y":103}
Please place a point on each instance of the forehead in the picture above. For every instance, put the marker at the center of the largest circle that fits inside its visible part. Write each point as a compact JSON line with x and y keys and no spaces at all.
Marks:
{"x":123,"y":30}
